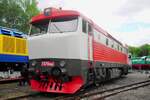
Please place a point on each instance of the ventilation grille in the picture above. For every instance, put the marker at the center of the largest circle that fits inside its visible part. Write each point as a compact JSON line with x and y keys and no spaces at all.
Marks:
{"x":13,"y":45}
{"x":8,"y":44}
{"x":21,"y":46}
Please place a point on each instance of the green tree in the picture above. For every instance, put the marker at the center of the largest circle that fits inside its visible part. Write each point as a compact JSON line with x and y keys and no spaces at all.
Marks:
{"x":17,"y":13}
{"x":134,"y":51}
{"x":30,"y":9}
{"x":143,"y":50}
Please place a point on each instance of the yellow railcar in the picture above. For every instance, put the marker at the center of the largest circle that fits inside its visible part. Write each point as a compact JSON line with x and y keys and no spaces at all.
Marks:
{"x":13,"y":53}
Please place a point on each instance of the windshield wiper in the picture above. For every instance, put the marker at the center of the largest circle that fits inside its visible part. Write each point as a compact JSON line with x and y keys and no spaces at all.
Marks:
{"x":57,"y":28}
{"x":36,"y":34}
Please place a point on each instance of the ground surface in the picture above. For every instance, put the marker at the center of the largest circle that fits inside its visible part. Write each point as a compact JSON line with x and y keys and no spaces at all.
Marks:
{"x":137,"y":94}
{"x":12,"y":90}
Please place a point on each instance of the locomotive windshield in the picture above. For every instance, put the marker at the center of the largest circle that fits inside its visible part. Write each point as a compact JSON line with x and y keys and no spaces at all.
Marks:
{"x":55,"y":25}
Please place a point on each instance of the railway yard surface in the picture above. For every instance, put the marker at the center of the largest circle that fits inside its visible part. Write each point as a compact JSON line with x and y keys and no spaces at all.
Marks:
{"x":12,"y":90}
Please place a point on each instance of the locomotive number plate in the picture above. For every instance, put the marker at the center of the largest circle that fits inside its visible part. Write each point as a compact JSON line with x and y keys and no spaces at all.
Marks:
{"x":47,"y":63}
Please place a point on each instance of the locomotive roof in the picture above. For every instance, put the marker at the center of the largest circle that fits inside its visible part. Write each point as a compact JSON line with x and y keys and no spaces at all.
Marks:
{"x":66,"y":13}
{"x":11,"y":32}
{"x":55,"y":13}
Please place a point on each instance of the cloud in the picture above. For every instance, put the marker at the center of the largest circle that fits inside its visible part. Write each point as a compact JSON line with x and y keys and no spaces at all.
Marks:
{"x":132,"y":7}
{"x":136,"y":38}
{"x":132,"y":27}
{"x":50,"y":3}
{"x":127,"y":20}
{"x":143,"y":16}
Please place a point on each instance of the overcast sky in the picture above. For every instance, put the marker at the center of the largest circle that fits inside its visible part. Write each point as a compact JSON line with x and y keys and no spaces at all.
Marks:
{"x":126,"y":20}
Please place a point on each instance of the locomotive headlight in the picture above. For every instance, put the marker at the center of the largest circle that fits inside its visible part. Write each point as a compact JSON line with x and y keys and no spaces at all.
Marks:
{"x":62,"y":63}
{"x":56,"y":71}
{"x":33,"y":63}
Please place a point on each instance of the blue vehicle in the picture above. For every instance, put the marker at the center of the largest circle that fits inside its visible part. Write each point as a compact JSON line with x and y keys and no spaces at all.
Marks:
{"x":13,"y":53}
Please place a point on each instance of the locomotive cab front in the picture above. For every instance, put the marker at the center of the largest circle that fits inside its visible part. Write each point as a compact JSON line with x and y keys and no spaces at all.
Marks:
{"x":57,"y":50}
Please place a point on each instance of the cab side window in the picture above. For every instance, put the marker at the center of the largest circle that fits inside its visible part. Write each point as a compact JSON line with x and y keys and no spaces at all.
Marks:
{"x":90,"y":30}
{"x":84,"y":26}
{"x":107,"y":42}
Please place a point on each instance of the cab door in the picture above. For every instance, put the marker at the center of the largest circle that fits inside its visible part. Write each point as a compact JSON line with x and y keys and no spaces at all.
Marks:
{"x":88,"y":39}
{"x":90,"y":42}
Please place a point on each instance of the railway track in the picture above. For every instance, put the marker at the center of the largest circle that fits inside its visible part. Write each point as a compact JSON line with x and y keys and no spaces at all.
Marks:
{"x":87,"y":94}
{"x":5,"y":81}
{"x":100,"y":95}
{"x":22,"y":96}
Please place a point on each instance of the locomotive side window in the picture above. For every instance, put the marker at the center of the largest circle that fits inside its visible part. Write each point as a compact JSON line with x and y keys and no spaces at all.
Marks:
{"x":107,"y":41}
{"x":126,"y":51}
{"x":97,"y":34}
{"x":103,"y":39}
{"x":84,"y":26}
{"x":112,"y":45}
{"x":121,"y":49}
{"x":118,"y":47}
{"x":90,"y":29}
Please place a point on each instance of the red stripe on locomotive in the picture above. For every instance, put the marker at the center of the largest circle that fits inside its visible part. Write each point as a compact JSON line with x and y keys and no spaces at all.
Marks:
{"x":55,"y":87}
{"x":106,"y":54}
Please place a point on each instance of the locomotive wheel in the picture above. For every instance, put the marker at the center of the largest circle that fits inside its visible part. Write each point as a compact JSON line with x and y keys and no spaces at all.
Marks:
{"x":91,"y":76}
{"x":101,"y":77}
{"x":104,"y":74}
{"x":126,"y":70}
{"x":108,"y":74}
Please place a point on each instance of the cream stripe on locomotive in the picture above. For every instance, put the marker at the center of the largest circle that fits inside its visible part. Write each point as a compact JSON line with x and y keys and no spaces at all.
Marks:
{"x":68,"y":46}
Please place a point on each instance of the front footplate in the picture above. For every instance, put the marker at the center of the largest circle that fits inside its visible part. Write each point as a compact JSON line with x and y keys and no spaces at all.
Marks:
{"x":57,"y":87}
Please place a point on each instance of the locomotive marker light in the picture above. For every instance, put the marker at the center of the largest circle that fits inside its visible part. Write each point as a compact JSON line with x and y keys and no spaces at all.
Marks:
{"x":47,"y":11}
{"x":62,"y":63}
{"x":37,"y":74}
{"x":33,"y":63}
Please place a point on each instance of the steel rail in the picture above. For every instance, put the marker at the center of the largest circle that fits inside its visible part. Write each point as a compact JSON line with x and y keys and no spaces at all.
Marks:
{"x":123,"y":90}
{"x":97,"y":95}
{"x":110,"y":92}
{"x":23,"y":96}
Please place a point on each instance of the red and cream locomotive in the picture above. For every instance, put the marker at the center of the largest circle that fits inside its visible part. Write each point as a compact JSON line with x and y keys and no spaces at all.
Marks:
{"x":67,"y":51}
